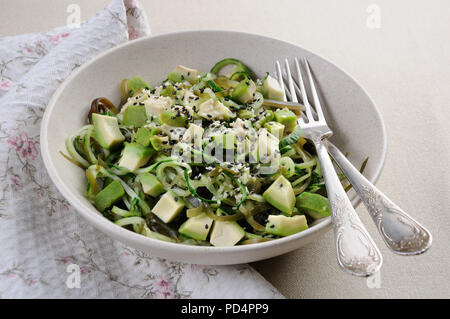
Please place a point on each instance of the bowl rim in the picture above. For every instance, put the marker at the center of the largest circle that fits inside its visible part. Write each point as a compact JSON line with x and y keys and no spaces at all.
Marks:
{"x":125,"y":235}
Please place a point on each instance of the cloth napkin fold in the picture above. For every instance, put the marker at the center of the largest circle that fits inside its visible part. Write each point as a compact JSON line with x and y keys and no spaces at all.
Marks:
{"x":44,"y":243}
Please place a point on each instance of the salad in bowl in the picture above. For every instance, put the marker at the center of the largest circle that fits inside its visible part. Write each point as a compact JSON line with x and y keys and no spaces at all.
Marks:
{"x":205,"y":158}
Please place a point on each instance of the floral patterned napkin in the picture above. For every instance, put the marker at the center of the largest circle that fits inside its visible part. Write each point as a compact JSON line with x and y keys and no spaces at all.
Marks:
{"x":46,"y":249}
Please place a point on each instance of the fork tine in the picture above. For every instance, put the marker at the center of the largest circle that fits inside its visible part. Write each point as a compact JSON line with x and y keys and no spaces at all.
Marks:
{"x":286,"y":93}
{"x":314,"y":92}
{"x":303,"y":91}
{"x":290,"y":82}
{"x":280,"y":79}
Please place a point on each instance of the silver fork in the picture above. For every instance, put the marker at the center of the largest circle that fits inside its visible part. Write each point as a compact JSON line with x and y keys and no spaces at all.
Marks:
{"x":356,"y":251}
{"x":400,"y":232}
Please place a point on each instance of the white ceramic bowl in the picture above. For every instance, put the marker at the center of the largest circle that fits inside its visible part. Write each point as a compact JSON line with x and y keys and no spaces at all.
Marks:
{"x":354,"y":118}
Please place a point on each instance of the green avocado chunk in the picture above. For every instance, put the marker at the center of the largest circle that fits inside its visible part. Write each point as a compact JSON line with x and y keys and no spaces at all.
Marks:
{"x":135,"y":115}
{"x":281,"y":195}
{"x":182,"y":73}
{"x":315,"y":205}
{"x":150,"y":184}
{"x":172,"y":118}
{"x":244,"y":91}
{"x":275,"y":128}
{"x":109,"y":196}
{"x":168,"y":207}
{"x":196,"y":227}
{"x":246,"y":113}
{"x":226,"y":234}
{"x":135,"y":84}
{"x":287,"y":118}
{"x":106,"y":130}
{"x":135,"y":155}
{"x":143,"y":136}
{"x":168,"y":90}
{"x":272,"y":89}
{"x":284,"y":226}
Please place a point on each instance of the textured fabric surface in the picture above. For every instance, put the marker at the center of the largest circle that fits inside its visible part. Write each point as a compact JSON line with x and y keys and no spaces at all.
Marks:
{"x":43,"y":241}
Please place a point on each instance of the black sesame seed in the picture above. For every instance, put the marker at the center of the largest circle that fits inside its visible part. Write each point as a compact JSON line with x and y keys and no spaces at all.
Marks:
{"x":206,"y":226}
{"x":272,"y":226}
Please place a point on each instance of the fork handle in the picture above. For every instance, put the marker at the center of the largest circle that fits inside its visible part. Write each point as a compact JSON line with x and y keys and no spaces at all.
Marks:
{"x":401,"y":233}
{"x":356,"y":251}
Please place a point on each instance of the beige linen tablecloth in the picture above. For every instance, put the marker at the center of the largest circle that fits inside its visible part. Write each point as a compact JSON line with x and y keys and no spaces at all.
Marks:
{"x":399,"y":51}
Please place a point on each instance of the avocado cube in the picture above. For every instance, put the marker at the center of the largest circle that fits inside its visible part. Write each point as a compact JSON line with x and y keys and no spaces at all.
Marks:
{"x":135,"y":115}
{"x":135,"y":84}
{"x":143,"y":135}
{"x":281,"y":195}
{"x":272,"y":89}
{"x":135,"y":155}
{"x":150,"y":184}
{"x":244,"y":91}
{"x":155,"y":105}
{"x":106,"y":131}
{"x":109,"y":195}
{"x":275,"y":128}
{"x":246,"y":113}
{"x":287,"y":118}
{"x":172,"y":118}
{"x":197,"y":227}
{"x":226,"y":234}
{"x":168,"y":90}
{"x":168,"y":207}
{"x":315,"y":205}
{"x":182,"y":73}
{"x":284,"y":226}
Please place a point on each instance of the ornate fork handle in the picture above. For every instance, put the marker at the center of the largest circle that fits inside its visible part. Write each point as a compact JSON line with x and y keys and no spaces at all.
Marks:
{"x":401,"y":233}
{"x":356,"y":251}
